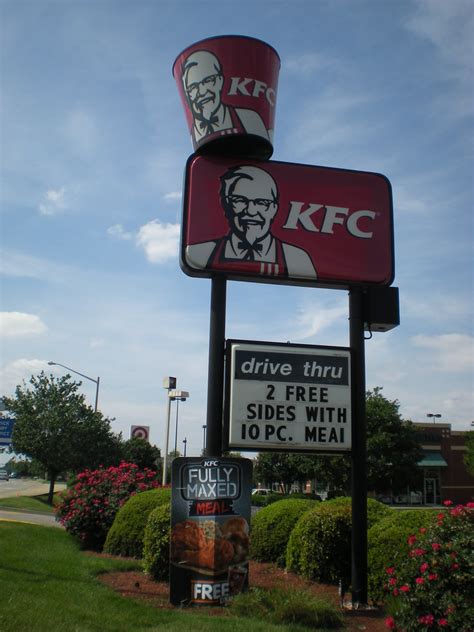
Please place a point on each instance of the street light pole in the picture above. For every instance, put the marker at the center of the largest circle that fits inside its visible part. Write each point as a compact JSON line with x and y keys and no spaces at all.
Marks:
{"x":176,"y":427}
{"x":165,"y":458}
{"x":435,"y":416}
{"x":96,"y":382}
{"x":172,"y":395}
{"x":204,"y":438}
{"x":185,"y":441}
{"x":182,"y":398}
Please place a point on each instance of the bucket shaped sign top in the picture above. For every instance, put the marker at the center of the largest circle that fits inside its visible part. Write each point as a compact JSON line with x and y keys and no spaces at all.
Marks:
{"x":277,"y":222}
{"x":228,"y":87}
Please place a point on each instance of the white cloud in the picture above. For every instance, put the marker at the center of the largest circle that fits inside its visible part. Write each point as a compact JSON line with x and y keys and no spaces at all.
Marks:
{"x":81,"y":131}
{"x":173,"y":195}
{"x":449,"y":27}
{"x":19,"y":324}
{"x":117,"y":231}
{"x":17,"y":264}
{"x":94,"y":343}
{"x":452,"y":352}
{"x":22,"y":369}
{"x":159,"y":241}
{"x":312,"y":321}
{"x":53,"y":202}
{"x":336,"y":121}
{"x":307,"y":63}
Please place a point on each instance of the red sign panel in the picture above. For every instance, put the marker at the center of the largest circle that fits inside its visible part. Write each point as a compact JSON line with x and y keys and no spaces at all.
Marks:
{"x":228,"y":87}
{"x":278,"y":222}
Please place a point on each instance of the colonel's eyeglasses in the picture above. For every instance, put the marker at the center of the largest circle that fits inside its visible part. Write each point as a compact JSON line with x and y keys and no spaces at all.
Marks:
{"x":207,"y":82}
{"x":241,"y":203}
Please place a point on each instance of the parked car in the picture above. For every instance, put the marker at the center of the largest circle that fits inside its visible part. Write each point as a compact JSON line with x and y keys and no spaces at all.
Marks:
{"x":3,"y":475}
{"x":261,"y":492}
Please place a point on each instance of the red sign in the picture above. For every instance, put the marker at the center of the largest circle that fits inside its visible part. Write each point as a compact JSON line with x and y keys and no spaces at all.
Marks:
{"x":140,"y":432}
{"x":228,"y":87}
{"x":278,"y":222}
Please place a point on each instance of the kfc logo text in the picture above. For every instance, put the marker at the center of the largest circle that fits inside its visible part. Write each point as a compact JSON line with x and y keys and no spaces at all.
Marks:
{"x":328,"y":216}
{"x":244,"y":86}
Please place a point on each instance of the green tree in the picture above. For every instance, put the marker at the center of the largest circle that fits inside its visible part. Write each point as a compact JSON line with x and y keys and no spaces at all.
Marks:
{"x":285,"y":469}
{"x":142,"y":453}
{"x":469,"y":456}
{"x":54,"y":426}
{"x":392,"y":449}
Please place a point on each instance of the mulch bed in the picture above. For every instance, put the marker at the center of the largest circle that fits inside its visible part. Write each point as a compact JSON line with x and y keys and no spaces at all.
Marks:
{"x":136,"y":585}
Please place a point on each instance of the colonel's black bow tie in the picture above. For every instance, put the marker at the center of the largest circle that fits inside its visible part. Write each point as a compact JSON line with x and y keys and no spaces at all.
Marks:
{"x":250,"y":250}
{"x":207,"y":125}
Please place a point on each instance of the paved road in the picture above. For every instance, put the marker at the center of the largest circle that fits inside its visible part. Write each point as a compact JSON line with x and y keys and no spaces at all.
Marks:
{"x":45,"y":520}
{"x":26,"y":487}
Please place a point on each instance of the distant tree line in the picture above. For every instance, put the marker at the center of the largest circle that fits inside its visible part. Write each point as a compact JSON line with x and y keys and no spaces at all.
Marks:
{"x":393,"y":453}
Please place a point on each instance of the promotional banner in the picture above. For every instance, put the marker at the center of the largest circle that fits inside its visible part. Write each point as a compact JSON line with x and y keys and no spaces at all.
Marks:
{"x":288,"y":398}
{"x":228,"y":87}
{"x":210,"y":519}
{"x":278,"y":222}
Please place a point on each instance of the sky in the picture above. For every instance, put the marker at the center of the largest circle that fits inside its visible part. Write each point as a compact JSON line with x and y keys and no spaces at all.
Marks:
{"x":93,"y":148}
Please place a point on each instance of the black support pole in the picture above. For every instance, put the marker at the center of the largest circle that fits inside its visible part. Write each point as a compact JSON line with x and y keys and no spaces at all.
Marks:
{"x":359,"y":449}
{"x":215,"y":380}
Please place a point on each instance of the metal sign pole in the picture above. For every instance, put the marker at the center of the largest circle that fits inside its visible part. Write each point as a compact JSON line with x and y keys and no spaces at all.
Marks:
{"x":215,"y":380}
{"x":359,"y":449}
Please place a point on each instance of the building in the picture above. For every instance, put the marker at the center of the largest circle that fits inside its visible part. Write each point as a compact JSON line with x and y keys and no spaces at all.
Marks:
{"x":445,"y":476}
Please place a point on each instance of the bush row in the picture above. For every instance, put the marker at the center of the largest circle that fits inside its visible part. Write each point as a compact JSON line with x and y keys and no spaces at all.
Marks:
{"x":429,"y":555}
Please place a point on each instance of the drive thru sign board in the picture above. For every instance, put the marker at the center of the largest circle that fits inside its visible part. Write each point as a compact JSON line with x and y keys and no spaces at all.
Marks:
{"x":288,"y":398}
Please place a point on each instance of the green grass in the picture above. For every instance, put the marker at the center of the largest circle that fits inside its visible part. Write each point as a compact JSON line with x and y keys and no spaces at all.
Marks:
{"x":29,"y":503}
{"x":48,"y":584}
{"x":297,"y":607}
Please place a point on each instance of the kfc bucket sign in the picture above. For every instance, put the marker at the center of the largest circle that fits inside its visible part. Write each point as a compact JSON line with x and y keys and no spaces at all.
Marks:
{"x":228,"y":87}
{"x":279,"y":222}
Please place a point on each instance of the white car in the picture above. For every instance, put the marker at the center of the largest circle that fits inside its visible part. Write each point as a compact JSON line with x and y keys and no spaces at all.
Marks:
{"x":3,"y":475}
{"x":261,"y":492}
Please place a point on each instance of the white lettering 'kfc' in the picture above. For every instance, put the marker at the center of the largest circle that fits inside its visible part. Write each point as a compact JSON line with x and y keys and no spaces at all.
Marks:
{"x":329,"y":216}
{"x":252,"y":88}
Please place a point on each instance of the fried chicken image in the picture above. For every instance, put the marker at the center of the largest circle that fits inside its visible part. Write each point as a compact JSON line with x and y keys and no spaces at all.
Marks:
{"x":235,"y":530}
{"x":214,"y":554}
{"x":206,"y":545}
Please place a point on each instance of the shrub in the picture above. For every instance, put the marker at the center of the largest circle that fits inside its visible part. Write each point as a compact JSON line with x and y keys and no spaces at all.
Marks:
{"x":264,"y":501}
{"x":320,"y":544}
{"x":375,"y":509}
{"x":319,"y":547}
{"x":432,"y":587}
{"x":387,"y":543}
{"x":156,"y":543}
{"x":258,"y":501}
{"x":292,"y":607}
{"x":272,"y":526}
{"x":89,"y":506}
{"x":125,"y":536}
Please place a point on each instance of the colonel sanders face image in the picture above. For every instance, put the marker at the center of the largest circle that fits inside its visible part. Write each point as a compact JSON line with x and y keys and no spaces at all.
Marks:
{"x":249,"y":199}
{"x":203,"y":83}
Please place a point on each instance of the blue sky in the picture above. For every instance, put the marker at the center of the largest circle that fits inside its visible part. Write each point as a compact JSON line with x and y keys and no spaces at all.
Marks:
{"x":94,"y":143}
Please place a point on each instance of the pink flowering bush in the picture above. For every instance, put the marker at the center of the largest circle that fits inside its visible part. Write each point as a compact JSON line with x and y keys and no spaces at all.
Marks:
{"x":89,"y":506}
{"x":432,"y":588}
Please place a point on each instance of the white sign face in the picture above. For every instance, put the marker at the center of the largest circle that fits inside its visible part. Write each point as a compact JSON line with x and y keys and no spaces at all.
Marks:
{"x":140,"y":432}
{"x":289,"y":398}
